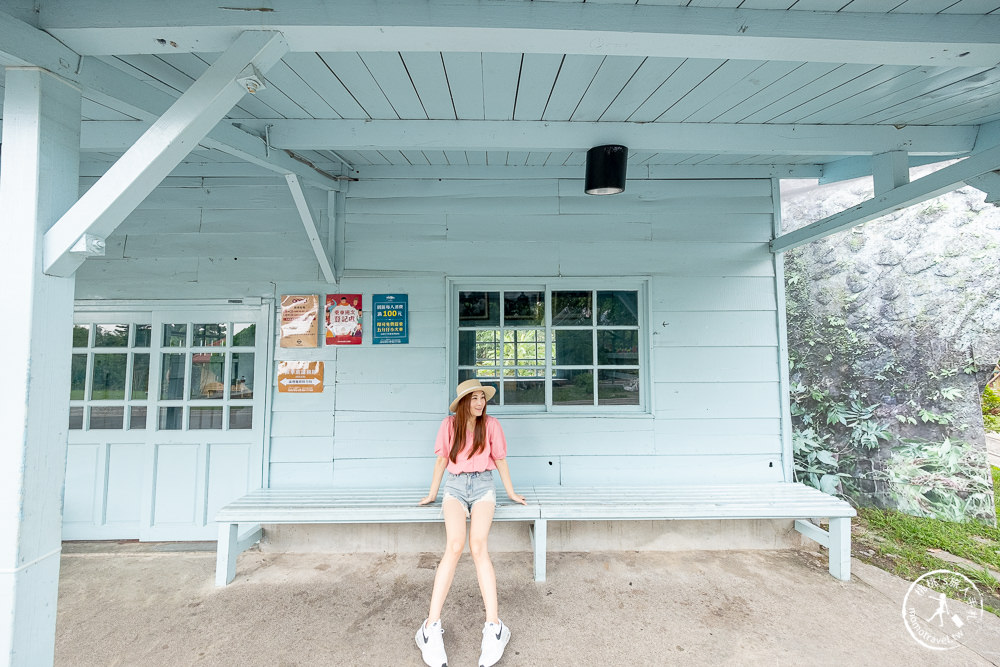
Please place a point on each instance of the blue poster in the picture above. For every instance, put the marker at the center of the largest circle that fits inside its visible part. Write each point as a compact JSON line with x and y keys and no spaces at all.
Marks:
{"x":390,"y":319}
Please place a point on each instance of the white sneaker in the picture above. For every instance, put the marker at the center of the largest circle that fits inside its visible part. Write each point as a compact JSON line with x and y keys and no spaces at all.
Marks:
{"x":495,"y":638}
{"x":430,"y":639}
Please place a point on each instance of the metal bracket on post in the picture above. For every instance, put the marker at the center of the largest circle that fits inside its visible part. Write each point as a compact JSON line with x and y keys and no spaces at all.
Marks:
{"x":89,"y":245}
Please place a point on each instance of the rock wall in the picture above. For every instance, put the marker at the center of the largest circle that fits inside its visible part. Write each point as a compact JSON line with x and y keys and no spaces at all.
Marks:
{"x":894,"y":329}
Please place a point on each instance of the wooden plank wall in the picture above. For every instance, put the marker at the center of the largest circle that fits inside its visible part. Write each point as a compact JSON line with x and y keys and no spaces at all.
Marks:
{"x":714,"y":358}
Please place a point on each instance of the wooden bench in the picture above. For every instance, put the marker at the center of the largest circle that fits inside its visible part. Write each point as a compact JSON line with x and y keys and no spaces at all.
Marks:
{"x":778,"y":500}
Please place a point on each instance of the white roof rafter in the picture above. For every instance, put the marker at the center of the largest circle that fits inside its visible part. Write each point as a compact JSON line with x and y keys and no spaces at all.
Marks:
{"x":516,"y":27}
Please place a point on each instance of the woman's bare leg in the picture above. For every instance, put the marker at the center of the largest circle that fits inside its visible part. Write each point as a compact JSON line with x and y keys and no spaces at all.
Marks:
{"x":454,"y":525}
{"x":479,"y":532}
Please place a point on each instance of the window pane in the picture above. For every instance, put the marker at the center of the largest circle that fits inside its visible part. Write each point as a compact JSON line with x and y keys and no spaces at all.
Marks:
{"x":618,"y":387}
{"x":244,"y":334}
{"x":137,"y":418}
{"x":81,"y":332}
{"x":523,"y":308}
{"x":524,"y":347}
{"x":78,"y":377}
{"x":108,"y":377}
{"x":143,"y":335}
{"x":467,"y":348}
{"x":573,"y":387}
{"x":207,"y":371}
{"x":205,"y":418}
{"x":76,"y":418}
{"x":478,"y":309}
{"x":213,"y":335}
{"x":107,"y":417}
{"x":140,"y":376}
{"x":618,"y":347}
{"x":242,"y":375}
{"x":240,"y":417}
{"x":618,"y":308}
{"x":573,"y":347}
{"x":172,"y":377}
{"x":171,"y":419}
{"x":524,"y":392}
{"x":111,"y":335}
{"x":572,"y":308}
{"x":174,"y":335}
{"x":487,"y":347}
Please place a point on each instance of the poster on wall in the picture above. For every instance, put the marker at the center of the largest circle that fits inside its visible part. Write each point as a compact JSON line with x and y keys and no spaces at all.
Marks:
{"x":299,"y":320}
{"x":343,"y":319}
{"x":390,"y":319}
{"x":300,"y":377}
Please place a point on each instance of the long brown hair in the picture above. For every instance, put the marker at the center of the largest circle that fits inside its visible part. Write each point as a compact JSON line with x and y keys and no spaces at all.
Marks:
{"x":458,"y":434}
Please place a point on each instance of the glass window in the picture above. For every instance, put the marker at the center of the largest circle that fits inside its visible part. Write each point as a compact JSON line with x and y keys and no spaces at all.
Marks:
{"x":206,"y":418}
{"x":240,"y":417}
{"x":552,"y":347}
{"x":171,"y":418}
{"x":140,"y":376}
{"x":107,"y":416}
{"x":478,"y":309}
{"x":108,"y":377}
{"x":172,"y":376}
{"x":111,"y":335}
{"x":81,"y":335}
{"x":207,"y":371}
{"x":76,"y":417}
{"x":143,"y":335}
{"x":242,"y":373}
{"x":78,"y":377}
{"x":204,"y":370}
{"x":213,"y":335}
{"x":244,"y":335}
{"x":137,"y":418}
{"x":174,"y":335}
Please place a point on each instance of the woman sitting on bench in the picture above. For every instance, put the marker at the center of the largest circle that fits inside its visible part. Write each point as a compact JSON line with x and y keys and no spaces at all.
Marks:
{"x":469,"y":445}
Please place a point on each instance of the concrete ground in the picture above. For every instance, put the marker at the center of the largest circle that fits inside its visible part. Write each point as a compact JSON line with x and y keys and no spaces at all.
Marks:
{"x":156,"y":605}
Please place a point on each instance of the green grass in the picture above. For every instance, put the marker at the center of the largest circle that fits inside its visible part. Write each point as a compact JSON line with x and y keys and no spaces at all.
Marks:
{"x":898,"y":543}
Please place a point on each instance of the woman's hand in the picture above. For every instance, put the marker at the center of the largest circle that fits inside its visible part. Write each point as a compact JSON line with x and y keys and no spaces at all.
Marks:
{"x":517,"y":499}
{"x":428,"y":500}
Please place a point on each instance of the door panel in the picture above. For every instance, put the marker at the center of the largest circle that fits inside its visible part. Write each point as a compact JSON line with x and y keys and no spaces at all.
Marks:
{"x":154,"y":449}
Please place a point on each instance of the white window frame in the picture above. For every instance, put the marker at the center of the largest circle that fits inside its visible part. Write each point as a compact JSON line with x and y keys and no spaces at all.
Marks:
{"x":639,"y":284}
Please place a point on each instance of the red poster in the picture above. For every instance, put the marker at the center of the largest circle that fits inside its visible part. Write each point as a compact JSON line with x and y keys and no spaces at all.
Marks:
{"x":343,"y":319}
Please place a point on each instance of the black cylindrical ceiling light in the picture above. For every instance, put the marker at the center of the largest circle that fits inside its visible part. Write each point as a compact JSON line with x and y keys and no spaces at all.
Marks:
{"x":605,"y":170}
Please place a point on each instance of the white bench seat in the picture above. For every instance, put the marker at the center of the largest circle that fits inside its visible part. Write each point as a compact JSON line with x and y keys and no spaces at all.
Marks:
{"x":778,"y":500}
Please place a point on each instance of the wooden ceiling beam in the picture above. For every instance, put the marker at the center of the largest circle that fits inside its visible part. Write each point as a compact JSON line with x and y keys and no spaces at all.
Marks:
{"x":108,"y":27}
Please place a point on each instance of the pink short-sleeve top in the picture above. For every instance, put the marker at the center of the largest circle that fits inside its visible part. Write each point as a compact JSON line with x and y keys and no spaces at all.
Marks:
{"x":495,"y":450}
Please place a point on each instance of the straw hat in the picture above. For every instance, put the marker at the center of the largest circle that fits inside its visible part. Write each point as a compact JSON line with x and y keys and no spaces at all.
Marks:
{"x":468,"y":387}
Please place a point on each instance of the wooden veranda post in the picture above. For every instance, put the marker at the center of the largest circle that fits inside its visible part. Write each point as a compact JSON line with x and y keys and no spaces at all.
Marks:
{"x":39,"y":181}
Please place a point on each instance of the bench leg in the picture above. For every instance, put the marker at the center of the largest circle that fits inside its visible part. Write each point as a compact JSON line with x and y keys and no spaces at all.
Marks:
{"x":231,"y":544}
{"x":840,"y":548}
{"x":538,"y":539}
{"x":225,"y":557}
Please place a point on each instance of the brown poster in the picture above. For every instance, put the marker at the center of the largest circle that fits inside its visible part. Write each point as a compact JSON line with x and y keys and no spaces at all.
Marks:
{"x":300,"y":377}
{"x":299,"y":320}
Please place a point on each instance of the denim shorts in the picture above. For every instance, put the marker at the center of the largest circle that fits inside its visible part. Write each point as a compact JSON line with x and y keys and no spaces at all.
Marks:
{"x":470,"y":488}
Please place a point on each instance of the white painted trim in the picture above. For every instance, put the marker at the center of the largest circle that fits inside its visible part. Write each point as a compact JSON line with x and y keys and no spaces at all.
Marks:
{"x":784,"y":381}
{"x":930,"y":186}
{"x":310,"y":225}
{"x":30,"y":563}
{"x":591,"y":28}
{"x":137,"y":173}
{"x":524,"y":135}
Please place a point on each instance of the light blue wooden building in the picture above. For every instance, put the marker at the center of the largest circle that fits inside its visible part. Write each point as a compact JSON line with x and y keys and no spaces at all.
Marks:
{"x":169,"y":170}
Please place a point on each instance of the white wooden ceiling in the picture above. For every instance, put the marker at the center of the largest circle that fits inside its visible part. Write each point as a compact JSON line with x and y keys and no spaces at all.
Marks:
{"x":795,"y":87}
